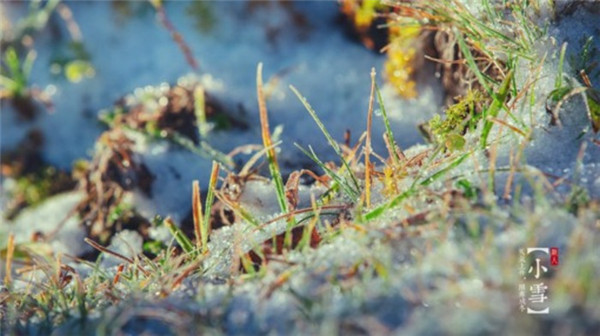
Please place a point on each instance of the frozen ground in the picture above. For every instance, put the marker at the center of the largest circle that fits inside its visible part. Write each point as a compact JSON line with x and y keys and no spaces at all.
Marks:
{"x":444,"y":273}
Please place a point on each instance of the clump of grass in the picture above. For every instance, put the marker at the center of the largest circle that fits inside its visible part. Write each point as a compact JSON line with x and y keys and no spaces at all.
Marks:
{"x":566,"y":87}
{"x":14,"y":84}
{"x":202,"y":222}
{"x":479,"y":55}
{"x":351,"y":187}
{"x":14,"y":74}
{"x":201,"y":218}
{"x":106,"y":181}
{"x":586,"y":59}
{"x":187,"y":121}
{"x":34,"y":188}
{"x":454,"y":219}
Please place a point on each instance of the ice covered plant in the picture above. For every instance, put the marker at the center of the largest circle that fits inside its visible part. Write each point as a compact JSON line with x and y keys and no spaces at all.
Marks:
{"x":14,"y":83}
{"x":429,"y":237}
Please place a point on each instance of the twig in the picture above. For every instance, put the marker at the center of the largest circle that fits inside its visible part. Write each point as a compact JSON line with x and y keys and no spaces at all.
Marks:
{"x":164,"y":20}
{"x":115,"y":254}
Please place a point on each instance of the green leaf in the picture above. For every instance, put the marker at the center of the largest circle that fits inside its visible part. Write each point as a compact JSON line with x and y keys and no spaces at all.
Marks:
{"x":179,"y":236}
{"x":455,"y":142}
{"x":332,"y":142}
{"x":495,"y":107}
{"x":388,"y":128}
{"x":153,"y":246}
{"x":592,"y":99}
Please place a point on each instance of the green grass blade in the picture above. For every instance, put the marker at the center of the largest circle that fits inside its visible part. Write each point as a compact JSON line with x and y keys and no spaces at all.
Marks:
{"x":210,"y":196}
{"x":382,"y":209}
{"x":271,"y":156}
{"x":203,"y":149}
{"x":332,"y":142}
{"x":267,"y":141}
{"x":388,"y":128}
{"x":471,"y":62}
{"x":495,"y":107}
{"x":179,"y":236}
{"x":561,"y":62}
{"x":200,"y":111}
{"x":445,"y":170}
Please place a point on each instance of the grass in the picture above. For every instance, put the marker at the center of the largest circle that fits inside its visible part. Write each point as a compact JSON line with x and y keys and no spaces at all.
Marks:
{"x":202,"y":222}
{"x":436,"y":236}
{"x":267,"y":142}
{"x":368,"y":167}
{"x":271,"y":156}
{"x":15,"y":73}
{"x":493,"y":110}
{"x":328,"y":136}
{"x":121,"y":118}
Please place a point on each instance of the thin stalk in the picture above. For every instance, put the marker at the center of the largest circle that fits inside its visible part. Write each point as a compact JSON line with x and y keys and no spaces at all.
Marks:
{"x":197,"y":214}
{"x":267,"y":142}
{"x":443,"y":171}
{"x":561,"y":61}
{"x":388,"y":129}
{"x":210,"y":196}
{"x":471,"y":62}
{"x":338,"y":180}
{"x":368,"y":142}
{"x":271,"y":157}
{"x":332,"y":142}
{"x":495,"y":107}
{"x":200,"y":111}
{"x":115,"y":254}
{"x":10,"y":250}
{"x":179,"y":236}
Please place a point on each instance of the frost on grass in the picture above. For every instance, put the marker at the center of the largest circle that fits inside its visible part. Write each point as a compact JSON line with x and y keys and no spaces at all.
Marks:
{"x":440,"y":240}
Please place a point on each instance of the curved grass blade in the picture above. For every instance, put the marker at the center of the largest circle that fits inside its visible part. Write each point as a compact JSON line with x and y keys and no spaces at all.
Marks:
{"x":267,"y":141}
{"x":332,"y":142}
{"x":388,"y":128}
{"x":495,"y":107}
